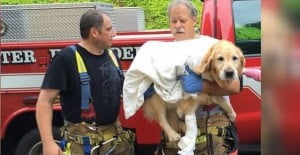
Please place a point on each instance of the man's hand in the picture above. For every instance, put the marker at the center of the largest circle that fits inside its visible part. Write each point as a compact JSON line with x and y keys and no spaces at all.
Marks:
{"x":51,"y":148}
{"x":252,"y":73}
{"x":191,"y":83}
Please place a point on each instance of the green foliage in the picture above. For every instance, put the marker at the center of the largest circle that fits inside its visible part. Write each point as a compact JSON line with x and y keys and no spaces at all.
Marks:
{"x":155,"y":10}
{"x":248,"y":33}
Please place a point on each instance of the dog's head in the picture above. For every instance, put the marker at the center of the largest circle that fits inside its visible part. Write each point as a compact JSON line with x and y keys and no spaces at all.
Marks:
{"x":224,"y":61}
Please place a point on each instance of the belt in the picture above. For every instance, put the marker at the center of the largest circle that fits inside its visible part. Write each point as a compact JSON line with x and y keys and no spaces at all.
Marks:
{"x":217,"y":131}
{"x":77,"y":132}
{"x":94,"y":139}
{"x":201,"y":136}
{"x":96,"y":135}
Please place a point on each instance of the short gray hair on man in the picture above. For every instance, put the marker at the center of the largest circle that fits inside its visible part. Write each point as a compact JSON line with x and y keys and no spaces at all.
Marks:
{"x":191,"y":7}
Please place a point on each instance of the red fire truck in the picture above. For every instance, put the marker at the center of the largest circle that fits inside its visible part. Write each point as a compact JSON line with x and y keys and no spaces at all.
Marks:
{"x":25,"y":58}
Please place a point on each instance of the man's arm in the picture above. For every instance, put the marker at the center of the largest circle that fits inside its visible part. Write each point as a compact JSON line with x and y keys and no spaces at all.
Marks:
{"x":193,"y":83}
{"x":212,"y":88}
{"x":44,"y":116}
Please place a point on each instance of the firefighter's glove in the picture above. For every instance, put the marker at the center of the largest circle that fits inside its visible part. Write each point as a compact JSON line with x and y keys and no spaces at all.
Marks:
{"x":149,"y":92}
{"x":191,"y":82}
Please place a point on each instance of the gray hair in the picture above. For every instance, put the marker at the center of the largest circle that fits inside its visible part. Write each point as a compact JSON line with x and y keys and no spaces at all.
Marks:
{"x":190,"y":6}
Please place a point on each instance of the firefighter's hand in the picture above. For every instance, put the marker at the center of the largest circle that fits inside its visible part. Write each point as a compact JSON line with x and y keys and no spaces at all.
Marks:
{"x":191,"y":83}
{"x":51,"y":148}
{"x":252,"y":73}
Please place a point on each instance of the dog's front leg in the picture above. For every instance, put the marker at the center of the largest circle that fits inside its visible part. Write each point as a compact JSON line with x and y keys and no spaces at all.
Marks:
{"x":171,"y":133}
{"x":188,"y":141}
{"x":224,"y":103}
{"x":155,"y":109}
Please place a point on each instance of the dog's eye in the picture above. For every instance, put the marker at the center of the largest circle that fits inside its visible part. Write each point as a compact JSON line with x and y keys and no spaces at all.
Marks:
{"x":234,"y":58}
{"x":220,"y":58}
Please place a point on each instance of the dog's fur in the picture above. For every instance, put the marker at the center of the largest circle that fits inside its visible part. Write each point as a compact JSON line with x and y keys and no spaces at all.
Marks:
{"x":222,"y":63}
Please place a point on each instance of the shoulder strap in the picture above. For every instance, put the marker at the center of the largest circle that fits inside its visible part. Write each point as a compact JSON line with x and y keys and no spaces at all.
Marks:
{"x":113,"y":58}
{"x":116,"y":62}
{"x":84,"y":80}
{"x":80,"y":65}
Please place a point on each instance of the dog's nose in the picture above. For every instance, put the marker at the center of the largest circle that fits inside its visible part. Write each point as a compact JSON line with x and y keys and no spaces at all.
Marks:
{"x":229,"y":74}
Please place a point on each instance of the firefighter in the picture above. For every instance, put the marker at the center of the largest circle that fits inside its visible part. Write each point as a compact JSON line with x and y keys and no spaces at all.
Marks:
{"x":88,"y":79}
{"x":216,"y":133}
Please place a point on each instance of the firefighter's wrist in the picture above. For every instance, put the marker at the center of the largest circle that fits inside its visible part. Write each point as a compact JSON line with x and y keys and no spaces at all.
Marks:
{"x":48,"y":140}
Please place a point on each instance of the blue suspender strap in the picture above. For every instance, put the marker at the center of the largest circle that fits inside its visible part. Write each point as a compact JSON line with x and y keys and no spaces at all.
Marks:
{"x":73,"y":48}
{"x":85,"y":91}
{"x":86,"y":145}
{"x":84,"y":79}
{"x":63,"y":144}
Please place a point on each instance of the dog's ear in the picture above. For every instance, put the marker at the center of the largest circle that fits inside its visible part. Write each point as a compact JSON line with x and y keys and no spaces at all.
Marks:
{"x":242,"y":60}
{"x":206,"y":63}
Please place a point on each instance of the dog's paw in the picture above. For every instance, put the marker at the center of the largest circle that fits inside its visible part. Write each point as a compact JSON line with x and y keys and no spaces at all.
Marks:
{"x":174,"y":137}
{"x":187,"y":146}
{"x":186,"y":152}
{"x":232,"y":116}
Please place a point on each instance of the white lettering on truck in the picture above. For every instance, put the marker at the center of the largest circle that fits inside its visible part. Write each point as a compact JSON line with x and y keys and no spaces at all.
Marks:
{"x":17,"y":57}
{"x":53,"y":52}
{"x":126,"y":53}
{"x":27,"y":56}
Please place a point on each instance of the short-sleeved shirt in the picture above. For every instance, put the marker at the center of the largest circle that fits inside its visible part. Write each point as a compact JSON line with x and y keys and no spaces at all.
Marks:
{"x":105,"y":81}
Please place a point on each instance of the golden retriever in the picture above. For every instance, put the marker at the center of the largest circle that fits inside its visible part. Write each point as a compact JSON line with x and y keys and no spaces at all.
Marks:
{"x":222,"y":63}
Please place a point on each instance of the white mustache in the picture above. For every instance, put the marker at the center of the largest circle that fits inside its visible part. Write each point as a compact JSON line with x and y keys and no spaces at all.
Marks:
{"x":179,"y":30}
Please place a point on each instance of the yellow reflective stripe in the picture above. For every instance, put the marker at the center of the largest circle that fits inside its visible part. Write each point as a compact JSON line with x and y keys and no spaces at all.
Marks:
{"x":80,"y":65}
{"x":213,"y":130}
{"x":201,"y":139}
{"x":67,"y":149}
{"x":113,"y":57}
